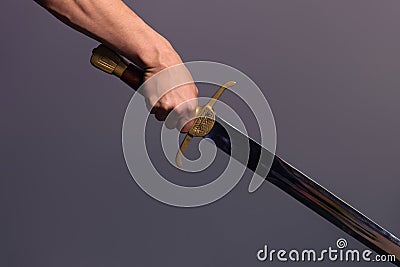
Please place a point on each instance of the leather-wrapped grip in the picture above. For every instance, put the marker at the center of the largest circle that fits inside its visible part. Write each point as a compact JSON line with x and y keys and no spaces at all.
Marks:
{"x":132,"y":76}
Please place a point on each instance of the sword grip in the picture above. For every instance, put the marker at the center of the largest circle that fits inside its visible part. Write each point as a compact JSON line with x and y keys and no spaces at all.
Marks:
{"x":105,"y":59}
{"x":132,"y":76}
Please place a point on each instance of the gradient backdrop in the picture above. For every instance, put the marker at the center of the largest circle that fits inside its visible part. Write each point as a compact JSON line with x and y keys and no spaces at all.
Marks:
{"x":330,"y":70}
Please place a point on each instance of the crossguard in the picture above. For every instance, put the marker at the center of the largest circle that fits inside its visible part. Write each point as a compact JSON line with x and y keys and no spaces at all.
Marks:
{"x":110,"y":62}
{"x":203,"y":122}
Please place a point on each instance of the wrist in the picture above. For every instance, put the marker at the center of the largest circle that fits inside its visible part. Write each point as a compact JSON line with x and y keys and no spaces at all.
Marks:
{"x":158,"y":55}
{"x":153,"y":52}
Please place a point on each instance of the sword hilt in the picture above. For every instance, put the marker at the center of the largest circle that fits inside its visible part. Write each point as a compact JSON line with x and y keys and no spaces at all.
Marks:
{"x":110,"y":62}
{"x":203,"y":123}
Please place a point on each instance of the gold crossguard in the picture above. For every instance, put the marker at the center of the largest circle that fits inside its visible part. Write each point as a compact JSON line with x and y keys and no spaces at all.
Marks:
{"x":203,"y":122}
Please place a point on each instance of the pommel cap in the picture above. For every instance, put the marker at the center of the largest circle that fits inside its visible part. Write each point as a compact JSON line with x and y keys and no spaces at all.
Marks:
{"x":108,"y":61}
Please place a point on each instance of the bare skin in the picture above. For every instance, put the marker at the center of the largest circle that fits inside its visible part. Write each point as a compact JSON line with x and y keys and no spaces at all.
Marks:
{"x":116,"y":25}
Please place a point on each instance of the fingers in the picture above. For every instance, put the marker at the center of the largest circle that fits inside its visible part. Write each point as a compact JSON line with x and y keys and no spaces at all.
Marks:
{"x":182,"y":117}
{"x":185,"y":125}
{"x":177,"y":108}
{"x":171,"y":95}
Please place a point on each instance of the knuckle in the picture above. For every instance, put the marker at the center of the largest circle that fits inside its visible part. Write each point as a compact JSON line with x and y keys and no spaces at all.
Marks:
{"x":167,"y":103}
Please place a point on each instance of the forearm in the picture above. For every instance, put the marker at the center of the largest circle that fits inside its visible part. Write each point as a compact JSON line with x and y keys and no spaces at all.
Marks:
{"x":115,"y":24}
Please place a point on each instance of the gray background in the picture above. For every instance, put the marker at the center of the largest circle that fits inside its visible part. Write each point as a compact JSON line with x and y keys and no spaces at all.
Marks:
{"x":330,"y":70}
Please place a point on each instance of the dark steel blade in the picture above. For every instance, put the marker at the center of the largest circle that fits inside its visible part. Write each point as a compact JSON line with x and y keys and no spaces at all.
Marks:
{"x":307,"y":191}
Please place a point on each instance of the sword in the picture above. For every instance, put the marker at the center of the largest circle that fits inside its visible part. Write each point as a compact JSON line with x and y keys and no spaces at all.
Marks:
{"x":281,"y":174}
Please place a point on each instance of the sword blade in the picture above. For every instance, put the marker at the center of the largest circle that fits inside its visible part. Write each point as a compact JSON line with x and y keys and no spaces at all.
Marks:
{"x":306,"y":191}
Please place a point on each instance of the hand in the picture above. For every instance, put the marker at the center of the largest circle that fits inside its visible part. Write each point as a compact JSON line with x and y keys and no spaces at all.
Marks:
{"x":179,"y":103}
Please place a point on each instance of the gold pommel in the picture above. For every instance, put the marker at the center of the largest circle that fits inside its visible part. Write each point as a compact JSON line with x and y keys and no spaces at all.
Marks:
{"x":108,"y":61}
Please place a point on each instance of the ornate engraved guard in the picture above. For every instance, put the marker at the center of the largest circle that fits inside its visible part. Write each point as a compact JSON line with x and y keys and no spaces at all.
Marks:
{"x":203,"y":123}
